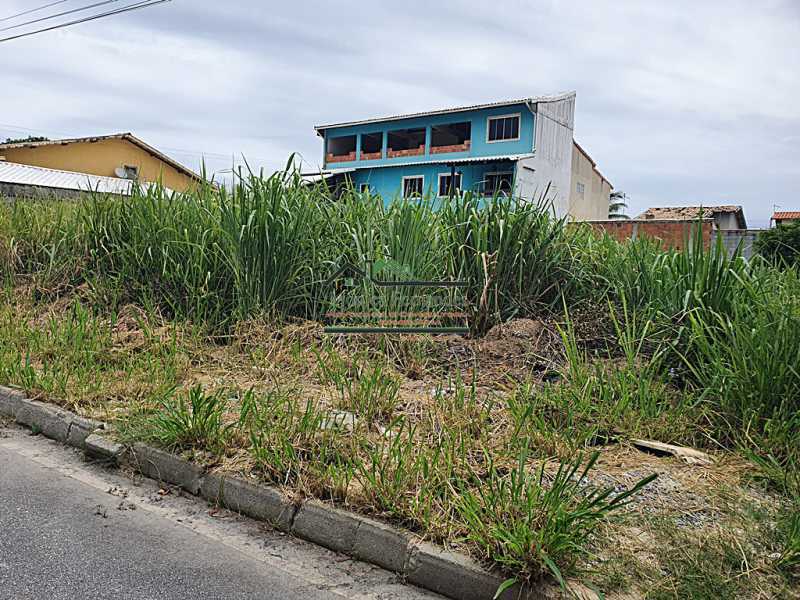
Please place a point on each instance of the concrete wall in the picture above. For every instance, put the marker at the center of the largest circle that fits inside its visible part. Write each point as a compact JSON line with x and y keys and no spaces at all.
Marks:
{"x":592,"y":204}
{"x":673,"y":234}
{"x":101,"y":158}
{"x":14,"y":190}
{"x":738,"y":238}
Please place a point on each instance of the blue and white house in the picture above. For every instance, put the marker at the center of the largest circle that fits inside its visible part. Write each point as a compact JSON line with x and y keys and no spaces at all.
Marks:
{"x":515,"y":146}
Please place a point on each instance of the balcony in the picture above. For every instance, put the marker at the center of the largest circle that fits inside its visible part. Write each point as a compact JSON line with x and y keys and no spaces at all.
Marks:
{"x":406,"y":142}
{"x":371,"y":145}
{"x":341,"y":149}
{"x":452,"y":137}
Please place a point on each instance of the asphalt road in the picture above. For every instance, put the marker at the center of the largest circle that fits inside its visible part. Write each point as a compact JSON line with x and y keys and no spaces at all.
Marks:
{"x":74,"y":530}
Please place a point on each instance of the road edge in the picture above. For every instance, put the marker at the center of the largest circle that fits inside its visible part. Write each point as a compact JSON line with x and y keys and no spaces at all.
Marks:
{"x":453,"y":575}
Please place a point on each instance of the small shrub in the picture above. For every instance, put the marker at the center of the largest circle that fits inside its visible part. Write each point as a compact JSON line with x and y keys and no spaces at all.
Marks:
{"x":780,"y":245}
{"x":196,"y":424}
{"x":530,"y":526}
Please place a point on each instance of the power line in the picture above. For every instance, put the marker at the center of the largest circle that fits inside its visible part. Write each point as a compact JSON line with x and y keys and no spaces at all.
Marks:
{"x":61,"y":14}
{"x":27,"y":12}
{"x":128,"y":8}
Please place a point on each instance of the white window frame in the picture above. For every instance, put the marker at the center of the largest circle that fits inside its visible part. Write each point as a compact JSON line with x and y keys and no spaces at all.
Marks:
{"x":403,"y":184}
{"x":580,"y":188}
{"x":519,"y":128}
{"x":364,"y":188}
{"x":439,"y":183}
{"x":485,"y":175}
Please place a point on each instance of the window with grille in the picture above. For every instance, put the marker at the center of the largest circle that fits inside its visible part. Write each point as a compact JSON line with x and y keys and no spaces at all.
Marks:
{"x":412,"y":186}
{"x":446,"y":183}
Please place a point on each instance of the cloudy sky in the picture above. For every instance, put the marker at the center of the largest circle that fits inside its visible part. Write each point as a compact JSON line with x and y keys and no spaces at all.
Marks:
{"x":679,"y":102}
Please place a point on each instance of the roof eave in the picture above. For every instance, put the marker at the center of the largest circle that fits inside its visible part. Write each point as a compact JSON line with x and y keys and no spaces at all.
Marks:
{"x":531,"y":102}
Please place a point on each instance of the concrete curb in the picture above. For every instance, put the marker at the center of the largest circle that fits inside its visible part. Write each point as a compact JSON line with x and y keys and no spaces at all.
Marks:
{"x":425,"y":565}
{"x":167,"y":467}
{"x":98,"y":446}
{"x":259,"y":502}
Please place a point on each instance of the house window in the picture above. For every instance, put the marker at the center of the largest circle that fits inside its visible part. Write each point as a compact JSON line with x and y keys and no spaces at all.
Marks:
{"x":371,"y":145}
{"x":580,"y":188}
{"x":453,"y":137}
{"x":445,"y":184}
{"x":341,"y":149}
{"x":131,"y":172}
{"x":502,"y":128}
{"x":498,"y":183}
{"x":413,"y":186}
{"x":406,"y":142}
{"x":364,"y":188}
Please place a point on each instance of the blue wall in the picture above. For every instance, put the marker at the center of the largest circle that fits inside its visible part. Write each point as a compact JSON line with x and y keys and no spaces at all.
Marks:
{"x":479,"y":145}
{"x":387,"y":181}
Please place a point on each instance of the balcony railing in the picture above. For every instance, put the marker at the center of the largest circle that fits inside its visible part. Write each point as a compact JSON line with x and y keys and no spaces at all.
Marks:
{"x":419,"y":151}
{"x":451,"y":148}
{"x":331,"y":158}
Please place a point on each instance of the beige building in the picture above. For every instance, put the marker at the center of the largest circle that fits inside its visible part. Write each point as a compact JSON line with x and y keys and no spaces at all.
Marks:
{"x":590,"y":191}
{"x":120,"y":155}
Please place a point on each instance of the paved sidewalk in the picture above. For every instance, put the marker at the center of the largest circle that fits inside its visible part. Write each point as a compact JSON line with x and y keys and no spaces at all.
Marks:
{"x":70,"y":529}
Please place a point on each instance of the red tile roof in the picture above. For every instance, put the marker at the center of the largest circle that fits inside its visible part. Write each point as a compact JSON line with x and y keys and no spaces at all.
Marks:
{"x":786,"y":214}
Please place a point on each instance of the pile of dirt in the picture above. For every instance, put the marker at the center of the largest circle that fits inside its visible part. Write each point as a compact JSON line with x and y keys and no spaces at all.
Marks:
{"x":520,"y":348}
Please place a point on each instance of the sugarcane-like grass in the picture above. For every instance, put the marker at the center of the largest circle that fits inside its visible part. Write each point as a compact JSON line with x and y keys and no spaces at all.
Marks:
{"x":134,"y":310}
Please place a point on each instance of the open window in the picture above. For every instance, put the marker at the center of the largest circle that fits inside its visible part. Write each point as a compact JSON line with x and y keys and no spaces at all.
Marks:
{"x":413,"y":186}
{"x":499,"y":184}
{"x":341,"y":149}
{"x":364,"y":188}
{"x":406,"y":142}
{"x":371,"y":145}
{"x":453,"y":137}
{"x":446,"y":186}
{"x":503,"y":128}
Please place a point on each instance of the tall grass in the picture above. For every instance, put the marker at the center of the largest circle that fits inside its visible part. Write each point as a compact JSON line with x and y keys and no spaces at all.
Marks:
{"x":725,"y":328}
{"x":42,"y":238}
{"x":516,"y":256}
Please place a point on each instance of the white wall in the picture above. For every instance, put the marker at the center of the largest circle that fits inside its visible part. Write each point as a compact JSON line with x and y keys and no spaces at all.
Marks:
{"x":552,"y":160}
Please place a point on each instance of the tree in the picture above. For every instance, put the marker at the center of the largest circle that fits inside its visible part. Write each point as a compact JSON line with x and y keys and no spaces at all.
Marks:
{"x":30,"y":138}
{"x":617,"y":204}
{"x":780,"y":245}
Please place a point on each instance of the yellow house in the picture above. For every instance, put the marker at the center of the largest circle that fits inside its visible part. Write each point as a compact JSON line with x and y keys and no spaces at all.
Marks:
{"x":121,"y":155}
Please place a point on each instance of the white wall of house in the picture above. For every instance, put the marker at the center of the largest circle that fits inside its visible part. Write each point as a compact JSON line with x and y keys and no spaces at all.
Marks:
{"x":552,"y":159}
{"x":726,"y":220}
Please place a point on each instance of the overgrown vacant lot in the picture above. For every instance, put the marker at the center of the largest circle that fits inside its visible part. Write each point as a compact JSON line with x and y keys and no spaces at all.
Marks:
{"x":191,"y":322}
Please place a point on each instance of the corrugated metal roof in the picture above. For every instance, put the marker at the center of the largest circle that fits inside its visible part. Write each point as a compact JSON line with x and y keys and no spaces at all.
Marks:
{"x":473,"y":159}
{"x":443,"y":111}
{"x":63,"y":180}
{"x":129,"y":137}
{"x":786,"y":214}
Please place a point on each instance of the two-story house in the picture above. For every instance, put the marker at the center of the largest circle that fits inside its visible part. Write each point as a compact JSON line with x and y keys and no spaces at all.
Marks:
{"x":524,"y":147}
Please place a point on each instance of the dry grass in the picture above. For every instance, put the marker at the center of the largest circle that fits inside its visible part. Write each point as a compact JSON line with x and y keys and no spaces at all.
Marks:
{"x":445,"y":387}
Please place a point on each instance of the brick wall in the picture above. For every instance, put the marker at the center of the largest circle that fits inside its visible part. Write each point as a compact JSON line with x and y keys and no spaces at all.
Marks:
{"x":673,"y":234}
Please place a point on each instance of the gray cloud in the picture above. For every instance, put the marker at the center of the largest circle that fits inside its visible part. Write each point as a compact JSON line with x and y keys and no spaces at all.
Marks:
{"x":677,"y":102}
